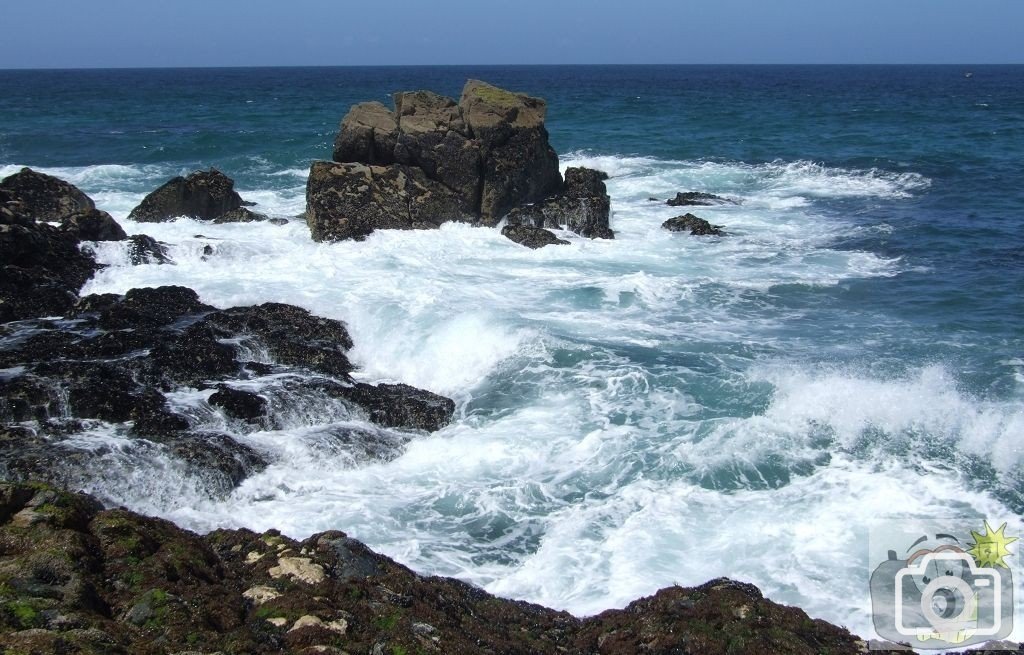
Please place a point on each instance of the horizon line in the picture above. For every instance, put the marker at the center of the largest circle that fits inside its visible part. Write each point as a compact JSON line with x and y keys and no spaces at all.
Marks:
{"x":576,"y":65}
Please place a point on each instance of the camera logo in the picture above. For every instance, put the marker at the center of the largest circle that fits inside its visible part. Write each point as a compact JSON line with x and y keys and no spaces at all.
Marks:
{"x":942,"y":592}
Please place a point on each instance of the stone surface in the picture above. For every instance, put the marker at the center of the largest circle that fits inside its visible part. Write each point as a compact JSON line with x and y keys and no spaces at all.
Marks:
{"x":694,"y":225}
{"x":697,"y":199}
{"x":531,"y":237}
{"x":203,"y":194}
{"x":44,"y":197}
{"x":93,"y":225}
{"x":75,"y":578}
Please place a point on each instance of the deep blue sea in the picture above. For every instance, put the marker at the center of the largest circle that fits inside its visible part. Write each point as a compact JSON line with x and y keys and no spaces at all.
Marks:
{"x":633,"y":413}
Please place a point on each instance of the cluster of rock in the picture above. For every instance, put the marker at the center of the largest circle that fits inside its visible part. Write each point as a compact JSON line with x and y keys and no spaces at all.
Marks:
{"x":75,"y":578}
{"x":432,"y":160}
{"x":205,"y":195}
{"x":120,"y":356}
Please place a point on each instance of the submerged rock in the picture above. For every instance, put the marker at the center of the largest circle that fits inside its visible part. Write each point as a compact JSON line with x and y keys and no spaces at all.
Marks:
{"x":531,"y":236}
{"x":697,"y":199}
{"x":206,"y":195}
{"x":694,"y":225}
{"x":44,"y":197}
{"x":144,"y":249}
{"x":78,"y":578}
{"x":432,"y":160}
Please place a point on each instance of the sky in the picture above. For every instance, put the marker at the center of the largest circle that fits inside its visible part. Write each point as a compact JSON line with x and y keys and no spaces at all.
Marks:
{"x":171,"y":33}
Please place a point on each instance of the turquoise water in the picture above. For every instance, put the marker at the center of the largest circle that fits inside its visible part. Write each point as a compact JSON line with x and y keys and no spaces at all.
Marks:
{"x":634,"y":413}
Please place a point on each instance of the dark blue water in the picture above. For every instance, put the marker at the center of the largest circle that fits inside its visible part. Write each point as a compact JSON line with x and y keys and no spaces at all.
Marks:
{"x":859,"y":338}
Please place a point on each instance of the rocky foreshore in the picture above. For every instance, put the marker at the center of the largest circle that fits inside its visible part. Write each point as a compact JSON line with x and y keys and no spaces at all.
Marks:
{"x":77,"y":576}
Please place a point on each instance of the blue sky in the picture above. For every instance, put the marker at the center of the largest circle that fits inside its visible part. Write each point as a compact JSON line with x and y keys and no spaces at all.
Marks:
{"x":130,"y":33}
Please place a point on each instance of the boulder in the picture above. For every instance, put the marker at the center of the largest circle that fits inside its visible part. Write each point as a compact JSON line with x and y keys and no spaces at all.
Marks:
{"x":204,"y":195}
{"x":582,"y":206}
{"x":694,"y":225}
{"x":93,"y":225}
{"x":44,"y":197}
{"x":698,"y":199}
{"x":530,"y":236}
{"x":432,"y":160}
{"x":241,"y":215}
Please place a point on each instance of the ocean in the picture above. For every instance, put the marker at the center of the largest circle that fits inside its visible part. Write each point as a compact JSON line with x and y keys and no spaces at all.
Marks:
{"x":653,"y":410}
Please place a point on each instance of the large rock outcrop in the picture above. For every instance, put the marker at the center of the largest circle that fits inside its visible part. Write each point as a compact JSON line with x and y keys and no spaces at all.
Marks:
{"x":206,"y":195}
{"x":432,"y":160}
{"x":75,"y":578}
{"x":582,"y":206}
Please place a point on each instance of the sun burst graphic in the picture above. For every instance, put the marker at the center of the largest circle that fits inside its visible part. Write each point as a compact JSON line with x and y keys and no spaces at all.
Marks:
{"x":990,"y":547}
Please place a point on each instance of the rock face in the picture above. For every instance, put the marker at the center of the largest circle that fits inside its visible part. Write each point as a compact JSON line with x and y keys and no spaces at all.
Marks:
{"x":93,"y":225}
{"x":531,"y":237}
{"x":75,"y":578}
{"x":121,"y":356}
{"x":44,"y":197}
{"x":207,"y":195}
{"x":694,"y":225}
{"x":582,"y":206}
{"x":432,"y":160}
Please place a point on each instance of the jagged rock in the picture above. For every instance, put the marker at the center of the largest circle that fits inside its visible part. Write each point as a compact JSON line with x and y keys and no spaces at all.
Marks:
{"x":531,"y":236}
{"x":694,"y":225}
{"x":144,"y":249}
{"x":142,"y":585}
{"x":697,"y":199}
{"x":583,"y":206}
{"x":44,"y":197}
{"x":204,"y":195}
{"x":93,"y":225}
{"x":432,"y":160}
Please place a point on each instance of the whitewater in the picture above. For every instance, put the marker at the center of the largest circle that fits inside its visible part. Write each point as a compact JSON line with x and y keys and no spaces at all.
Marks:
{"x":652,"y":410}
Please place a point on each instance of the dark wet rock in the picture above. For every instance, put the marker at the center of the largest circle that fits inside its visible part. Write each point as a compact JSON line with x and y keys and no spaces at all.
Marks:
{"x":41,"y":271}
{"x":582,"y":206}
{"x":93,"y":225}
{"x":204,"y":195}
{"x":697,"y":199}
{"x":232,"y":461}
{"x":531,"y":236}
{"x":144,"y":249}
{"x":401,"y":406}
{"x":44,"y":197}
{"x":143,"y":307}
{"x":195,"y":356}
{"x":694,"y":225}
{"x":432,"y":160}
{"x":239,"y":404}
{"x":131,"y":584}
{"x":240,"y":215}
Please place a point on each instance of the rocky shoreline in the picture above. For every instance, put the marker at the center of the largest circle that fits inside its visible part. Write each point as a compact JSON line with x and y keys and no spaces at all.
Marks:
{"x":76,"y":577}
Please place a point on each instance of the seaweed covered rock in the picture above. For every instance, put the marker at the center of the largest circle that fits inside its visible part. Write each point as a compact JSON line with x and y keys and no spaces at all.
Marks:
{"x":206,"y":195}
{"x":432,"y":160}
{"x":77,"y":578}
